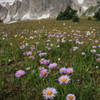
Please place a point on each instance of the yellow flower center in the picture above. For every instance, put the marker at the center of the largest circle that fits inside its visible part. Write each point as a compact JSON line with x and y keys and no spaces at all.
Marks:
{"x":71,"y":97}
{"x":49,"y":92}
{"x":44,"y":73}
{"x":69,"y":72}
{"x":62,"y":70}
{"x":64,"y":79}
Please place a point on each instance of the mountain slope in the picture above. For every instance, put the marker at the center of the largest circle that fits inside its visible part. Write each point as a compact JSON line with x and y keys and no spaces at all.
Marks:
{"x":37,"y":9}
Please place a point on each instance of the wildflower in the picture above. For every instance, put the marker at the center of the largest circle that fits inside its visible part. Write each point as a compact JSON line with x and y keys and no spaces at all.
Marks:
{"x":31,"y":57}
{"x":22,"y":46}
{"x":31,"y":37}
{"x":75,"y":48}
{"x":49,"y":93}
{"x":64,"y":79}
{"x":48,"y":48}
{"x":97,"y":66}
{"x":98,"y":59}
{"x":63,"y":40}
{"x":20,"y":73}
{"x":63,"y":70}
{"x":70,"y":97}
{"x":96,"y":41}
{"x":98,"y":55}
{"x":26,"y":44}
{"x":51,"y":45}
{"x":69,"y":71}
{"x":48,"y":40}
{"x":93,"y":51}
{"x":33,"y":47}
{"x":59,"y":59}
{"x":43,"y":72}
{"x":42,"y":54}
{"x":11,"y":44}
{"x":83,"y":53}
{"x":28,"y":53}
{"x":58,"y":46}
{"x":94,"y":47}
{"x":53,"y":65}
{"x":44,"y":61}
{"x":88,"y":33}
{"x":99,"y":46}
{"x":28,"y":68}
{"x":15,"y":35}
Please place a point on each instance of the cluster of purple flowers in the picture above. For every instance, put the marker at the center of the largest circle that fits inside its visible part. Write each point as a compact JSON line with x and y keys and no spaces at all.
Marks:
{"x":20,"y":73}
{"x":27,"y":53}
{"x":44,"y":61}
{"x":43,"y":72}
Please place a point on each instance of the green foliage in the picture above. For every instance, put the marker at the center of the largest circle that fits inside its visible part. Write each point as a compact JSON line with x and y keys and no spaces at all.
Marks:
{"x":89,"y":18}
{"x":76,"y":19}
{"x":0,"y":21}
{"x":68,"y":14}
{"x":97,"y":15}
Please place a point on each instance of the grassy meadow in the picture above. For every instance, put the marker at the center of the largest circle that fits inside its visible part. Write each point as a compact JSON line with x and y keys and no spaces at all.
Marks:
{"x":32,"y":46}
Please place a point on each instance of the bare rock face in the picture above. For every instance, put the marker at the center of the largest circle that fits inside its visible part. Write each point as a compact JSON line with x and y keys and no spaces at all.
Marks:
{"x":83,"y":5}
{"x":3,"y":12}
{"x":92,"y":9}
{"x":38,"y":9}
{"x":35,"y":9}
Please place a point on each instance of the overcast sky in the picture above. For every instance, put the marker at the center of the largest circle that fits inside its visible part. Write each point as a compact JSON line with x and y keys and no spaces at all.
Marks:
{"x":6,"y":0}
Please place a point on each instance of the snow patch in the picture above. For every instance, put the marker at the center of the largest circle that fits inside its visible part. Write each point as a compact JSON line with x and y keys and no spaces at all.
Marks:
{"x":26,"y":16}
{"x":44,"y":16}
{"x":85,"y":8}
{"x":80,"y":1}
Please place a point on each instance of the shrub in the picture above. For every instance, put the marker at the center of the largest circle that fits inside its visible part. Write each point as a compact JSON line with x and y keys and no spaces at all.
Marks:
{"x":89,"y":18}
{"x":76,"y":19}
{"x":68,"y":14}
{"x":1,"y":21}
{"x":97,"y":15}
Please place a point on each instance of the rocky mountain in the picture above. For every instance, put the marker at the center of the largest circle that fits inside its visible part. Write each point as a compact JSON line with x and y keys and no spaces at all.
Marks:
{"x":3,"y":12}
{"x":92,"y":9}
{"x":38,"y":9}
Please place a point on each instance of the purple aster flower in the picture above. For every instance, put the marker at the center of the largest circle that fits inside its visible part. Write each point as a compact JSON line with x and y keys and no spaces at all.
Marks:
{"x":63,"y":70}
{"x":44,"y":61}
{"x":98,"y":59}
{"x":69,"y":71}
{"x":28,"y":53}
{"x":99,"y":46}
{"x":49,"y":93}
{"x":20,"y":73}
{"x":43,"y":72}
{"x":70,"y":97}
{"x":64,"y":79}
{"x":42,"y":54}
{"x":94,"y":46}
{"x":52,"y":66}
{"x":33,"y":47}
{"x":98,"y":55}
